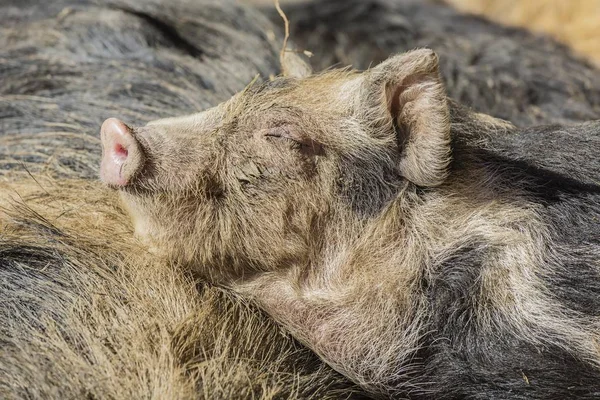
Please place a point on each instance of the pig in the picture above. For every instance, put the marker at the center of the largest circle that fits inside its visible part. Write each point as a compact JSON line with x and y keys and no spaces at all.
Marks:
{"x":67,"y":65}
{"x":84,"y":311}
{"x":506,"y":72}
{"x":419,"y":248}
{"x":572,"y":23}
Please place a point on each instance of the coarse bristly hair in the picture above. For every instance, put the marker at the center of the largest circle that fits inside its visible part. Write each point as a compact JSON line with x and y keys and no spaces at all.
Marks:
{"x":85,"y":311}
{"x":89,"y":313}
{"x":419,"y":248}
{"x":510,"y":73}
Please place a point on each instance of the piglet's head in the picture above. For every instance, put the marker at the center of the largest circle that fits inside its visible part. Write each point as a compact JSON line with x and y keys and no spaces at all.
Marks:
{"x":272,"y":176}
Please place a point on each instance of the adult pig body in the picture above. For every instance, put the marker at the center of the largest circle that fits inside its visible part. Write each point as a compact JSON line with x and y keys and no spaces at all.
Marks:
{"x":67,"y":65}
{"x":85,"y":311}
{"x":421,"y":249}
{"x":475,"y":362}
{"x":505,"y":72}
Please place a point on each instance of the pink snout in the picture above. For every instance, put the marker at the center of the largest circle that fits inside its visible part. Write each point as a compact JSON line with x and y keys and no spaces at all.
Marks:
{"x":122,"y":155}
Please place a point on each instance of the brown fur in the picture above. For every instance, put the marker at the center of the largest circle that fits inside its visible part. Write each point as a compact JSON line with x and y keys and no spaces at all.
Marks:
{"x":329,"y":200}
{"x":138,"y":328}
{"x":85,"y":311}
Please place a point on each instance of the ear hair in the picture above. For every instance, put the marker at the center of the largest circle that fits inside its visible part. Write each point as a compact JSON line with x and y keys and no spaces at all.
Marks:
{"x":415,"y":103}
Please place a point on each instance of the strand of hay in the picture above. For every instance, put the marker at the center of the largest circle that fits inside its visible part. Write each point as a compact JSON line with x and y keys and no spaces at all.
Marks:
{"x":286,"y":23}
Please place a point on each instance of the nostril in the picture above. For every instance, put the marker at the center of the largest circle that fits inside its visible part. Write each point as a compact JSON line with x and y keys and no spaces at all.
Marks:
{"x":121,"y":151}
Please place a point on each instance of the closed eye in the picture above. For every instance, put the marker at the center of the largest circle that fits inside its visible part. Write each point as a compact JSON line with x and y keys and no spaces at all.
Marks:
{"x":294,"y":144}
{"x":280,"y":132}
{"x":298,"y":141}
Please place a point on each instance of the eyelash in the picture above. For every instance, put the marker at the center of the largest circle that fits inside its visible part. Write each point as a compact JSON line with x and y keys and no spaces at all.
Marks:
{"x":293,"y":143}
{"x":303,"y":147}
{"x":282,"y":136}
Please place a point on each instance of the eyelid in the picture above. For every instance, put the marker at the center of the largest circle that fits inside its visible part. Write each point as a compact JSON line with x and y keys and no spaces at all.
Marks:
{"x":280,"y":131}
{"x":288,"y":132}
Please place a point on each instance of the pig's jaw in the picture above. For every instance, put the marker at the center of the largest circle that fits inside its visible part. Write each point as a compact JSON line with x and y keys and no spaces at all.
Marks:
{"x":142,"y":225}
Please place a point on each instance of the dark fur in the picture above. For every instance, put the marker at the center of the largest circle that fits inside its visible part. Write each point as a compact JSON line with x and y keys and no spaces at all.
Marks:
{"x":75,"y":322}
{"x":421,"y":249}
{"x":505,"y":72}
{"x":560,"y":170}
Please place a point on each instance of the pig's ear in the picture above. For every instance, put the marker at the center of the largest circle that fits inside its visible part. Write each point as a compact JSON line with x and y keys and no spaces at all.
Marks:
{"x":293,"y":66}
{"x":410,"y":102}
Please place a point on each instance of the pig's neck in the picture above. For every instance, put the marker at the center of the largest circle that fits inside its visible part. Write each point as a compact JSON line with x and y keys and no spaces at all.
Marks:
{"x":363,"y":305}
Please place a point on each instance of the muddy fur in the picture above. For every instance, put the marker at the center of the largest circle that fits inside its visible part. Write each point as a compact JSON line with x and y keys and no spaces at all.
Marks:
{"x":505,"y":72}
{"x":574,"y":22}
{"x":85,"y":311}
{"x":421,"y":249}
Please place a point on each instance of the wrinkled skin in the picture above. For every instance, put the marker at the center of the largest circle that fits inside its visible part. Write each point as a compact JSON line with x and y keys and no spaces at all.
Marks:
{"x":419,"y":248}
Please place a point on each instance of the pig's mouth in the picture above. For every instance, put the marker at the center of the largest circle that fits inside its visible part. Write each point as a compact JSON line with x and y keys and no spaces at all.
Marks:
{"x":122,"y":154}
